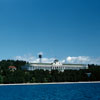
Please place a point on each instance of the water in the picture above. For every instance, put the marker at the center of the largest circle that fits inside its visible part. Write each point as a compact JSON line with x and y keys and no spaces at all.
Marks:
{"x":90,"y":91}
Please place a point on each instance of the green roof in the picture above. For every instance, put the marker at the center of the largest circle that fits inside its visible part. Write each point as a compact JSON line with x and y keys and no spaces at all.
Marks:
{"x":52,"y":63}
{"x":73,"y":64}
{"x":42,"y":63}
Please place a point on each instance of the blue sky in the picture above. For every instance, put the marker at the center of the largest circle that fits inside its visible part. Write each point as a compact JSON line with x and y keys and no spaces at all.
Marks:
{"x":58,"y":28}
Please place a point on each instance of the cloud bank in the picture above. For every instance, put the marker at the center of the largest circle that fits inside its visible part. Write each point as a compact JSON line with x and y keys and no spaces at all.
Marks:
{"x":83,"y":60}
{"x":33,"y":59}
{"x":69,"y":60}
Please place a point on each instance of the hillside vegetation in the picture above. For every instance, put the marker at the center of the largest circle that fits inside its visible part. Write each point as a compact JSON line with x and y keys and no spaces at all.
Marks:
{"x":8,"y":76}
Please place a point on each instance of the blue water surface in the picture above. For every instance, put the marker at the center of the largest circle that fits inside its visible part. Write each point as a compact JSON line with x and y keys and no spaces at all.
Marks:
{"x":87,"y":91}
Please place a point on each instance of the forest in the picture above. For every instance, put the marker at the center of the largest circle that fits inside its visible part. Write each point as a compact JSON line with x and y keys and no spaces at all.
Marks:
{"x":8,"y":76}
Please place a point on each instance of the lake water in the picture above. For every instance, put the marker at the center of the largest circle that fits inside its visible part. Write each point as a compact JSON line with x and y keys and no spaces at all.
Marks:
{"x":86,"y":91}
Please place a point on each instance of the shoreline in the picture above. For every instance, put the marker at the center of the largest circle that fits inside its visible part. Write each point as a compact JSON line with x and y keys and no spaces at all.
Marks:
{"x":50,"y":83}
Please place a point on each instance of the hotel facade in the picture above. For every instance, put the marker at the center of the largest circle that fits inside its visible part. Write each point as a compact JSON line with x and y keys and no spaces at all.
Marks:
{"x":56,"y":65}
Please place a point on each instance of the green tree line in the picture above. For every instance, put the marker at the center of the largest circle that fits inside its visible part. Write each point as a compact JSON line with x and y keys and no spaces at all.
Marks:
{"x":40,"y":76}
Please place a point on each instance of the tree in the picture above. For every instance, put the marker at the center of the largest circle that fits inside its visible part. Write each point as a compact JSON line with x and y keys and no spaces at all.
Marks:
{"x":1,"y":79}
{"x":33,"y":80}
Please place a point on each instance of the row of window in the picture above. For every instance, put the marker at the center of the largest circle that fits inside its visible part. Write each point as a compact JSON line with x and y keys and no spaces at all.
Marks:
{"x":54,"y":68}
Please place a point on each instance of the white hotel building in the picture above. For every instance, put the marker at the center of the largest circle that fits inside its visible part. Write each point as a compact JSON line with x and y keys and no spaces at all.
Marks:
{"x":56,"y":65}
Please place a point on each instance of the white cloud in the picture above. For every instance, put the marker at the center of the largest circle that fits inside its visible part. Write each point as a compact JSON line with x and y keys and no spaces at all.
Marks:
{"x":63,"y":61}
{"x":40,"y":53}
{"x":33,"y":59}
{"x":71,"y":60}
{"x":25,"y":58}
{"x":44,"y":60}
{"x":83,"y":60}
